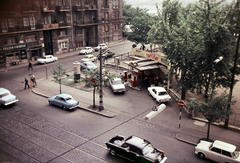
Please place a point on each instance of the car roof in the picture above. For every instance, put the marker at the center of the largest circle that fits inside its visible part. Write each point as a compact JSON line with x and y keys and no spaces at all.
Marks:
{"x":89,"y":55}
{"x":224,"y":146}
{"x":64,"y":95}
{"x":87,"y":47}
{"x":137,"y":142}
{"x":87,"y":62}
{"x":159,"y":89}
{"x":116,"y":79}
{"x":3,"y":90}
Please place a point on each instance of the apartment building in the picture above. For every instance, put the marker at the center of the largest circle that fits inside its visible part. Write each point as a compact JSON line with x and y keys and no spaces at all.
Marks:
{"x":34,"y":28}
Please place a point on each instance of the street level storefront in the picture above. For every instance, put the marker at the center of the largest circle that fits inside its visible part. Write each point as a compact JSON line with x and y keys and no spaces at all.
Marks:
{"x":151,"y":67}
{"x":12,"y":54}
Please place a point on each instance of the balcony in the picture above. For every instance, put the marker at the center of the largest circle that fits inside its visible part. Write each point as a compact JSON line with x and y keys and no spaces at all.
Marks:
{"x":86,"y":23}
{"x":63,"y":24}
{"x":63,"y":8}
{"x":105,"y":7}
{"x":50,"y":26}
{"x":46,"y":9}
{"x":78,"y":8}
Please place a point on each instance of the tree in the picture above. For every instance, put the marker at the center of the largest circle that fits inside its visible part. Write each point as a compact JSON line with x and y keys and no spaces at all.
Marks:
{"x":192,"y":39}
{"x":92,"y":78}
{"x":58,"y":72}
{"x":140,"y":22}
{"x":213,"y":110}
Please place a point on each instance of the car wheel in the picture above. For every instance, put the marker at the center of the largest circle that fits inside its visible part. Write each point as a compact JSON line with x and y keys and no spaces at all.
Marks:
{"x":201,"y":155}
{"x":157,"y":101}
{"x":149,"y":93}
{"x":64,"y":107}
{"x":50,"y":102}
{"x":112,"y":152}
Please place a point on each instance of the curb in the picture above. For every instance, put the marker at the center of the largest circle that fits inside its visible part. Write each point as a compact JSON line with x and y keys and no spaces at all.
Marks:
{"x":84,"y":108}
{"x":185,"y":141}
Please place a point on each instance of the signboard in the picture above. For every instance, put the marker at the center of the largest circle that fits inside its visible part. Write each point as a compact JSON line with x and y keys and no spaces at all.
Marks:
{"x":153,"y":56}
{"x":13,"y":47}
{"x":180,"y":103}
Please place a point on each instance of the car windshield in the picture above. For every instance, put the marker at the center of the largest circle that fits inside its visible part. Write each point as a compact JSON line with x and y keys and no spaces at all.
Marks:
{"x":90,"y":64}
{"x":148,"y":149}
{"x":68,"y":98}
{"x":44,"y":57}
{"x":4,"y":94}
{"x":117,"y":82}
{"x":162,"y":93}
{"x":235,"y":154}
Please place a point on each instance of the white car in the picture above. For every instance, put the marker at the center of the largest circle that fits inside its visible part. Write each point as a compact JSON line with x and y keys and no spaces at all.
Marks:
{"x":159,"y":94}
{"x":86,"y":50}
{"x":117,"y":85}
{"x":102,"y":46}
{"x":6,"y":98}
{"x":89,"y":57}
{"x":218,"y":151}
{"x":47,"y":59}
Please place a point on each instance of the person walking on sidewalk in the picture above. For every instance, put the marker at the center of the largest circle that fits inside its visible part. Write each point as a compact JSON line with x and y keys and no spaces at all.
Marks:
{"x":30,"y":66}
{"x":26,"y":83}
{"x":33,"y":80}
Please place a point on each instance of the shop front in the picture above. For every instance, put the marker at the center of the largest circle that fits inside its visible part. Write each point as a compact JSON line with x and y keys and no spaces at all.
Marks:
{"x":12,"y":55}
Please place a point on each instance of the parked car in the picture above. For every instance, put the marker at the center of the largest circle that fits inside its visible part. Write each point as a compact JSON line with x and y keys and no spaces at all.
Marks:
{"x":6,"y":98}
{"x":218,"y":151}
{"x":89,"y":57}
{"x":86,"y":50}
{"x":102,"y":46}
{"x":159,"y":94}
{"x":135,"y":149}
{"x":64,"y":101}
{"x":87,"y":65}
{"x":117,"y":85}
{"x":106,"y":54}
{"x":47,"y":59}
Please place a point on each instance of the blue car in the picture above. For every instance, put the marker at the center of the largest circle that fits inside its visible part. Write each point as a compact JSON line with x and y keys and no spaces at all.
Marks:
{"x":64,"y":101}
{"x":87,"y":65}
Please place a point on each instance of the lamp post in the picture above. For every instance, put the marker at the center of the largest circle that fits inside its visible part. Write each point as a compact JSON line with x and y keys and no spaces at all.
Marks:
{"x":100,"y":89}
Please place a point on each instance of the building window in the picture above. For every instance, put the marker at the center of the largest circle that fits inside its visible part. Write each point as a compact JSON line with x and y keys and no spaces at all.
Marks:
{"x":31,"y":38}
{"x":62,"y":45}
{"x":115,"y":27}
{"x":116,"y":15}
{"x":10,"y":41}
{"x":62,"y":33}
{"x":25,"y":22}
{"x":115,"y":3}
{"x":106,"y":39}
{"x":32,"y":22}
{"x":105,"y":28}
{"x":78,"y":3}
{"x":60,"y":18}
{"x":106,"y":16}
{"x":4,"y":25}
{"x":105,"y":2}
{"x":61,"y":2}
{"x":47,"y":19}
{"x":11,"y":23}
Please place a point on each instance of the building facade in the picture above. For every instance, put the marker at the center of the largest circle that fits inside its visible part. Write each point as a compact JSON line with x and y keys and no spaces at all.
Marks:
{"x":34,"y":28}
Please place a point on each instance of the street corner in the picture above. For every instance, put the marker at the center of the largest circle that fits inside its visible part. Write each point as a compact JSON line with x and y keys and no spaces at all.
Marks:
{"x":40,"y":94}
{"x":105,"y":112}
{"x":187,"y":138}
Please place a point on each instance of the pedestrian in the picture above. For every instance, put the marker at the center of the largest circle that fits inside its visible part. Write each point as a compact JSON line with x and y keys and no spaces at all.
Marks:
{"x":26,"y":83}
{"x":121,"y":75}
{"x":33,"y":80}
{"x":30,"y":66}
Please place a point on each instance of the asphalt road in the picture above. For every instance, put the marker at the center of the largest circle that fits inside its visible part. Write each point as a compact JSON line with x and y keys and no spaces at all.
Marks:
{"x":33,"y":131}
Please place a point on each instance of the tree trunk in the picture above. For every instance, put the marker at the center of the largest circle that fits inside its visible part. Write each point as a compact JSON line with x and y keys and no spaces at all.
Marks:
{"x":94,"y":97}
{"x":209,"y":123}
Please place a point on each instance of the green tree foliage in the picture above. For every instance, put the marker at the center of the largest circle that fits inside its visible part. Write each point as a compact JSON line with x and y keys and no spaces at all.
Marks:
{"x":92,"y":78}
{"x":213,"y":110}
{"x":58,"y":72}
{"x":192,"y":38}
{"x":140,"y":21}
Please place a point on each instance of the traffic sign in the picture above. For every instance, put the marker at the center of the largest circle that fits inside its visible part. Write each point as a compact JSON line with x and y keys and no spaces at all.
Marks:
{"x":45,"y":64}
{"x":180,"y":103}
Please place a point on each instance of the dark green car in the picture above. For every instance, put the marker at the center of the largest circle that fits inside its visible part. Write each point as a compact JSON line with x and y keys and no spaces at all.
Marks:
{"x":106,"y":54}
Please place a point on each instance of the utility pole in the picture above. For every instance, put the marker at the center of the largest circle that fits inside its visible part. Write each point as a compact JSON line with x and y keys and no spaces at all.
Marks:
{"x":232,"y":81}
{"x":100,"y":90}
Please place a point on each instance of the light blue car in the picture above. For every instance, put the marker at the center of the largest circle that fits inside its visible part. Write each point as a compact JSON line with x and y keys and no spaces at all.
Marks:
{"x":64,"y":101}
{"x":6,"y":98}
{"x":87,"y":65}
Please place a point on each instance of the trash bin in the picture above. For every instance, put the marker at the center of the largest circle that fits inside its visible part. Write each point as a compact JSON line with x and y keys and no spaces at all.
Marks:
{"x":77,"y":77}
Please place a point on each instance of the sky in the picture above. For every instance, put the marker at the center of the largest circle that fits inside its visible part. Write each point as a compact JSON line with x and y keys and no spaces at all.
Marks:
{"x":150,"y":4}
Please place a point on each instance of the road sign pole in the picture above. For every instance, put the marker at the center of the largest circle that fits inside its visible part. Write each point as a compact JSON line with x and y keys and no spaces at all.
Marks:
{"x":180,"y":104}
{"x":45,"y":65}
